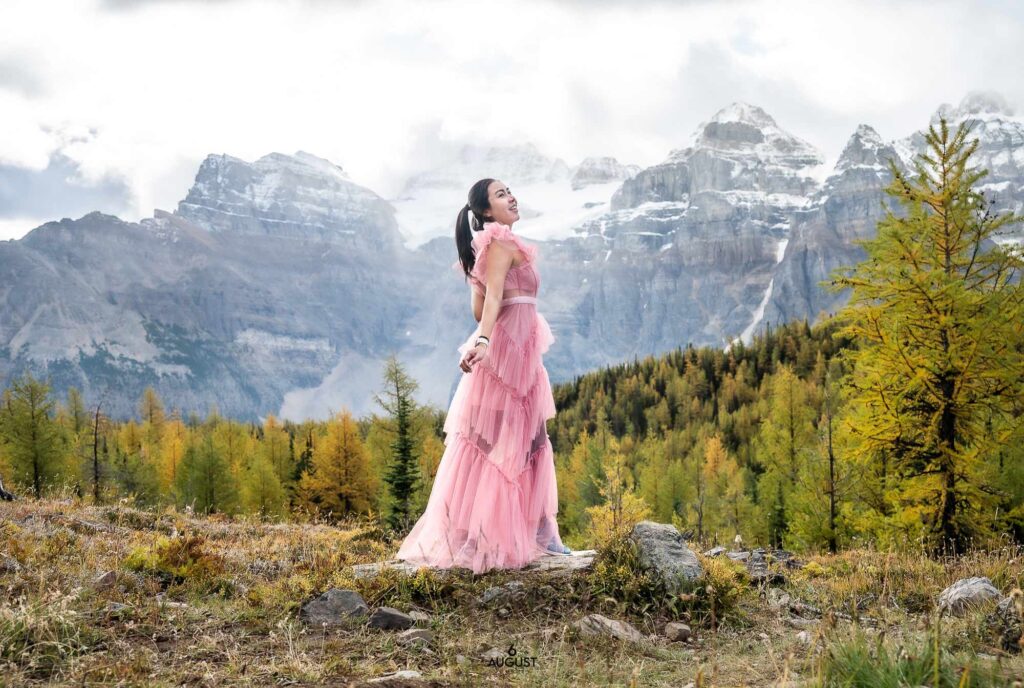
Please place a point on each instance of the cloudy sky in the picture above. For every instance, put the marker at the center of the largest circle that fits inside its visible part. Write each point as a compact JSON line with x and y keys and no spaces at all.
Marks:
{"x":111,"y":104}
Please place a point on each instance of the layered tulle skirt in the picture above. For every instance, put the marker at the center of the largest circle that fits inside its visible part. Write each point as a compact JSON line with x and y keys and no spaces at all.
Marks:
{"x":494,"y":499}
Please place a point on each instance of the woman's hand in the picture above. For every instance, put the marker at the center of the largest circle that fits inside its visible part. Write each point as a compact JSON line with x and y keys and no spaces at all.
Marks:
{"x":473,"y":356}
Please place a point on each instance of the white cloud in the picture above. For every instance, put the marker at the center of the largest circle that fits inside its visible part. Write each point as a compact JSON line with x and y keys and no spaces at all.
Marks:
{"x":158,"y":85}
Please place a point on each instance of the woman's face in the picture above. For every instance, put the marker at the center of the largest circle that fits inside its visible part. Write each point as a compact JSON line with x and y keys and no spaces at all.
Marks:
{"x":504,"y":207}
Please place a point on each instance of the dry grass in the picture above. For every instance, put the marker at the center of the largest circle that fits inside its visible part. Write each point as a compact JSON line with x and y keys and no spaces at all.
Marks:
{"x":202,"y":601}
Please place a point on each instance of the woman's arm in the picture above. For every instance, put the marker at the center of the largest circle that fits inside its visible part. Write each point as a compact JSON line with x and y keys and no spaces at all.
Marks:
{"x":498,"y":264}
{"x":477,"y":304}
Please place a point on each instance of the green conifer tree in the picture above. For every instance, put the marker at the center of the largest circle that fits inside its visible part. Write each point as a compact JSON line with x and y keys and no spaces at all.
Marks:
{"x":402,"y":473}
{"x":939,"y":321}
{"x":32,"y":438}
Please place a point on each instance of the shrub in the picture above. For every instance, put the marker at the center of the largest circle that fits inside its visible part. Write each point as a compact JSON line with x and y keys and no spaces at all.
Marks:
{"x":619,"y":577}
{"x":176,"y":560}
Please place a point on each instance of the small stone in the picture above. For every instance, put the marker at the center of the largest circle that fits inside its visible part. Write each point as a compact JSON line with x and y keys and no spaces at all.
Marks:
{"x":105,"y":580}
{"x":967,"y":593}
{"x":460,"y":659}
{"x":595,"y":624}
{"x":738,"y":556}
{"x":334,"y":607}
{"x":778,"y":599}
{"x":370,"y":570}
{"x":804,"y":638}
{"x":561,"y":564}
{"x":389,"y":618}
{"x":503,"y":613}
{"x":677,"y":632}
{"x":503,"y":594}
{"x":715,"y":551}
{"x":420,"y":617}
{"x":415,"y":636}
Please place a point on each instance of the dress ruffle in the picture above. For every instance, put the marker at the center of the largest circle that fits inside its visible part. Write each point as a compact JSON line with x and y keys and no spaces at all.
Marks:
{"x":497,"y":232}
{"x":478,"y":519}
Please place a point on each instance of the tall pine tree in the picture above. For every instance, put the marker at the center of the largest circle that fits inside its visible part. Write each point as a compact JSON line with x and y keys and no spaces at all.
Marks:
{"x":939,"y":320}
{"x":32,"y":437}
{"x":402,"y":472}
{"x":338,"y":482}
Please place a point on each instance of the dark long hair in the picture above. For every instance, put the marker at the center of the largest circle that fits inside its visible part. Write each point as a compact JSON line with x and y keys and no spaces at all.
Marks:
{"x":479,"y":201}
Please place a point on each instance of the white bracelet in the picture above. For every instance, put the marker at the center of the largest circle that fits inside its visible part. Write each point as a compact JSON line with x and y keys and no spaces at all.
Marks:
{"x":483,"y":340}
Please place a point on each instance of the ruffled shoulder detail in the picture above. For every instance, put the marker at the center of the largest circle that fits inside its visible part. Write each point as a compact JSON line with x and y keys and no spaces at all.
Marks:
{"x":495,"y":231}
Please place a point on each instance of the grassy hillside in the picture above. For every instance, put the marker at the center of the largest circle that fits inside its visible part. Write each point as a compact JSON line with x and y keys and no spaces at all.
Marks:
{"x":115,"y":595}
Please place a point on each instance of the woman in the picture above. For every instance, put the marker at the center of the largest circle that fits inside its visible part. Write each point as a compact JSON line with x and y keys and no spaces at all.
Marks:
{"x":494,"y":498}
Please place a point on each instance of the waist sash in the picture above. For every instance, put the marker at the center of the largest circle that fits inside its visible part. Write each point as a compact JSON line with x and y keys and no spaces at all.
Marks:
{"x":519,"y":299}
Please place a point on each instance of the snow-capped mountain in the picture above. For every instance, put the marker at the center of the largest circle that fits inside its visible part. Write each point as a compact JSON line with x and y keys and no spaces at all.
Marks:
{"x":300,"y":196}
{"x":1000,"y":134}
{"x":847,"y":208}
{"x":282,"y":286}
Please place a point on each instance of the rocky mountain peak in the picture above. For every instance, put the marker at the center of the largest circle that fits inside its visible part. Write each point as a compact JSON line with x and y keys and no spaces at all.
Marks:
{"x":745,"y":113}
{"x":976,"y":104}
{"x":865,"y":149}
{"x":1000,"y":133}
{"x":297,"y":196}
{"x":742,"y":130}
{"x":302,"y":163}
{"x":600,"y":170}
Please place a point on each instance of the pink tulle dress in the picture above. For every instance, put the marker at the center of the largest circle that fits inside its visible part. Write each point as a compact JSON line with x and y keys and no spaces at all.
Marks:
{"x":494,"y":499}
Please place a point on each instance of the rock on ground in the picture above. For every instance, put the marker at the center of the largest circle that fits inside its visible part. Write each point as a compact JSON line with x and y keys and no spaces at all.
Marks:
{"x":415,"y":636}
{"x":967,"y":593}
{"x":595,"y":624}
{"x":677,"y":632}
{"x":503,"y":594}
{"x":390,"y":619}
{"x":661,"y":549}
{"x":335,"y":607}
{"x":580,"y":560}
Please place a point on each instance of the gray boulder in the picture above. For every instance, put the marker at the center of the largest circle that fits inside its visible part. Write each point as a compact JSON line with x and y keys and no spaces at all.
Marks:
{"x":967,"y":593}
{"x":595,"y":625}
{"x":661,"y":549}
{"x":390,"y":619}
{"x":335,"y":607}
{"x":677,"y":632}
